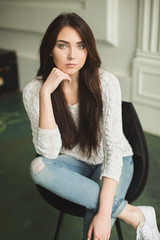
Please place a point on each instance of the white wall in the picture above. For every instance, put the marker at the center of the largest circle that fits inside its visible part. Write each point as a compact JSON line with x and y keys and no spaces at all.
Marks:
{"x":116,"y":27}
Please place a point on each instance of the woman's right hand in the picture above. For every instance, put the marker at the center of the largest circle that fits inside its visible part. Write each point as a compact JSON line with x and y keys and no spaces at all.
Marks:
{"x":55,"y":77}
{"x":46,"y":118}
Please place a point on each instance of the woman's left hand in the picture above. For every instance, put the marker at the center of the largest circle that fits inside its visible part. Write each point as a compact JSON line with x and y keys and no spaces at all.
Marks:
{"x":100,"y":227}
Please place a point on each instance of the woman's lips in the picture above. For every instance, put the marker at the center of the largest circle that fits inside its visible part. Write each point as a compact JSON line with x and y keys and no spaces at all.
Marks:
{"x":70,"y":65}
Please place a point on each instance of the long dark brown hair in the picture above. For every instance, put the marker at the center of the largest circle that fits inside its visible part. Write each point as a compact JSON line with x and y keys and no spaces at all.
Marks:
{"x":87,"y":134}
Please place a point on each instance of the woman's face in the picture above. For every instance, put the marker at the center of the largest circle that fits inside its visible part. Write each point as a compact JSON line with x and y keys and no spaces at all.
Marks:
{"x":69,"y":53}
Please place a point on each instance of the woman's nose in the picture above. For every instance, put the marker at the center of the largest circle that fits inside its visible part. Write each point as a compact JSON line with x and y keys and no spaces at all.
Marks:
{"x":71,"y":53}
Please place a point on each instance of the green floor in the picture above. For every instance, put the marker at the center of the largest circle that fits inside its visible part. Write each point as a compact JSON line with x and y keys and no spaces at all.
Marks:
{"x":24,"y":215}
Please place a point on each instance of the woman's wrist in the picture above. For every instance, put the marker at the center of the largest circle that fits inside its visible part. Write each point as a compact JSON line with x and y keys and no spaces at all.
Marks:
{"x":44,"y":91}
{"x":105,"y":212}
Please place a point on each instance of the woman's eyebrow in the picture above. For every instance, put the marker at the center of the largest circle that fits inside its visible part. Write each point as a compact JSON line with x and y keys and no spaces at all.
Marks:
{"x":63,"y":41}
{"x":69,"y":42}
{"x":80,"y":42}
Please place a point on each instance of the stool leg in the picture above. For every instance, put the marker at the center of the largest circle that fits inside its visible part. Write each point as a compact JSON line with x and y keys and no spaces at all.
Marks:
{"x":59,"y":225}
{"x":119,"y":231}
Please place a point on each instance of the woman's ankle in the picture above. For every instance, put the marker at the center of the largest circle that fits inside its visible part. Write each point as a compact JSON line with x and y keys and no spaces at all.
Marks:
{"x":132,"y":215}
{"x":138,"y":218}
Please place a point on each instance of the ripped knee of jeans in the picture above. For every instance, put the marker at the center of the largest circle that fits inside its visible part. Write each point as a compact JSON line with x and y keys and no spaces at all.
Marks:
{"x":37,"y":165}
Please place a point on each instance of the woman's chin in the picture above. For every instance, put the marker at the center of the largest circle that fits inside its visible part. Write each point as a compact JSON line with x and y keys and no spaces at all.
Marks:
{"x":71,"y":72}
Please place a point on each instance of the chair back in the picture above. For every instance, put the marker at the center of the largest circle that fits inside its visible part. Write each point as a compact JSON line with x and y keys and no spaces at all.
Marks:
{"x":134,"y":133}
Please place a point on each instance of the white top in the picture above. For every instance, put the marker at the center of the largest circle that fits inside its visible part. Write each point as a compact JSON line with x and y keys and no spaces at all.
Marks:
{"x":113,"y":146}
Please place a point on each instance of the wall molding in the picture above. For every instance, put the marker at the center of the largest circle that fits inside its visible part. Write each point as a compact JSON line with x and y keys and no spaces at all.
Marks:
{"x":149,"y":26}
{"x":112,"y":7}
{"x":146,"y":94}
{"x":146,"y":82}
{"x":146,"y":66}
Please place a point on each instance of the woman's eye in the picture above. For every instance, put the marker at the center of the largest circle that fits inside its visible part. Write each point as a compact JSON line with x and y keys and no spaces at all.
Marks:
{"x":81,"y":46}
{"x":62,"y":46}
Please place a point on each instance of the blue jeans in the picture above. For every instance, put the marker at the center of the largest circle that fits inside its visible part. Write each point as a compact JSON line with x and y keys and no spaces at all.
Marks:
{"x":80,"y":183}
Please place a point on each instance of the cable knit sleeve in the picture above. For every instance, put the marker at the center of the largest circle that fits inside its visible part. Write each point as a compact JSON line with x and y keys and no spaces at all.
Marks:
{"x":112,"y":127}
{"x":46,"y":142}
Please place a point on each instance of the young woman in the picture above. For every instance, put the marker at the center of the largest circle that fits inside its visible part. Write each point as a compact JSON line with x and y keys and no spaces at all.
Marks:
{"x":75,"y":113}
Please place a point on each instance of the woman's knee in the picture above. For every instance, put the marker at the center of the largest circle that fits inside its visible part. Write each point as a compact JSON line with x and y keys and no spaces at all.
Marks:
{"x":37,"y":165}
{"x":36,"y":169}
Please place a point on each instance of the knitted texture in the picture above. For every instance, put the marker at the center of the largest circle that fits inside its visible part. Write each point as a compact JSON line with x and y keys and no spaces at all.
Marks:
{"x":113,"y":145}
